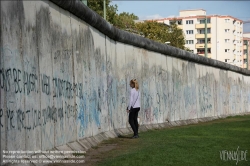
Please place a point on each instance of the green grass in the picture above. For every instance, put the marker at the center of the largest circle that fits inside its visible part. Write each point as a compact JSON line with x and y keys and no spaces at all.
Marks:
{"x":192,"y":145}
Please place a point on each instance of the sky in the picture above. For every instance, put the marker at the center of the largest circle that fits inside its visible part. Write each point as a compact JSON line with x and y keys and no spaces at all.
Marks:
{"x":149,"y":9}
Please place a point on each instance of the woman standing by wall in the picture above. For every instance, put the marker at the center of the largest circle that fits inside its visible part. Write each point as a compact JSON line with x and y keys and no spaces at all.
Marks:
{"x":134,"y":106}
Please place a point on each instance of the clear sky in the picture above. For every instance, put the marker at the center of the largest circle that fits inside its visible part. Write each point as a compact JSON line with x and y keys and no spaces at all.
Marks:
{"x":159,"y":9}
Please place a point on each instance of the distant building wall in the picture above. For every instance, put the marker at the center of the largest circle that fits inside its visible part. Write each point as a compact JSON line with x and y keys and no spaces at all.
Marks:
{"x":224,"y":35}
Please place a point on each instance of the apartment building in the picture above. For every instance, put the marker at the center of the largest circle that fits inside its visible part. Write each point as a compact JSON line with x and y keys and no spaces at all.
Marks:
{"x":246,"y":51}
{"x":224,"y":34}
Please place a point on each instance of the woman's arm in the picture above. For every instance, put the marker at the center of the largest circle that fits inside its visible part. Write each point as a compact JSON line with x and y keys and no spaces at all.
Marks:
{"x":130,"y":100}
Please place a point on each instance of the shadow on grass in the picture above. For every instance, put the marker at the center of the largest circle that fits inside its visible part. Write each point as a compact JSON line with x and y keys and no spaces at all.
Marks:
{"x":122,"y":136}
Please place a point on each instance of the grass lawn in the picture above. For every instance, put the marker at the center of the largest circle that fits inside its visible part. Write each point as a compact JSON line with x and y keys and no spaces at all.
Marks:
{"x":192,"y":145}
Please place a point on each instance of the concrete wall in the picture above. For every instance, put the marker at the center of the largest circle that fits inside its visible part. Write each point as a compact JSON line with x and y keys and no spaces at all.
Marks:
{"x":62,"y":79}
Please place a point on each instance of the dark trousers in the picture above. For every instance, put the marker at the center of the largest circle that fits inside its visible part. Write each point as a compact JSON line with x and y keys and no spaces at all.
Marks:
{"x":133,"y":115}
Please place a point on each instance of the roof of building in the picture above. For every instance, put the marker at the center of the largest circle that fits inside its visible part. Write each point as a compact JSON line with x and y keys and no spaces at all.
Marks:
{"x":198,"y":16}
{"x":137,"y":21}
{"x":246,"y":38}
{"x":192,"y":10}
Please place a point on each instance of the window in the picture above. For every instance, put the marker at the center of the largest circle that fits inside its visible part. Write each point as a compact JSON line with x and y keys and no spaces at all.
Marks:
{"x":226,"y":30}
{"x":227,"y":20}
{"x":202,"y":41}
{"x":203,"y":21}
{"x":226,"y":40}
{"x":225,"y":60}
{"x":245,"y":61}
{"x":189,"y":22}
{"x":179,"y":22}
{"x":208,"y":30}
{"x":226,"y":50}
{"x":202,"y":31}
{"x":189,"y":42}
{"x":190,"y":32}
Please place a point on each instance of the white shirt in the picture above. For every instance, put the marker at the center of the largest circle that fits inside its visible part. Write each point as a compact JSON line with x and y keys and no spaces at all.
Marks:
{"x":134,"y":100}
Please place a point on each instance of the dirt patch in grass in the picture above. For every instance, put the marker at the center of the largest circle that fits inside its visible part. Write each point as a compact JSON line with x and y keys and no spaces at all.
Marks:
{"x":106,"y":149}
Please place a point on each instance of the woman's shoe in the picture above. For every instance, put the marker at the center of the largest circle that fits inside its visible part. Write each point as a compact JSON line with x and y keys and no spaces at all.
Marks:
{"x":135,"y":136}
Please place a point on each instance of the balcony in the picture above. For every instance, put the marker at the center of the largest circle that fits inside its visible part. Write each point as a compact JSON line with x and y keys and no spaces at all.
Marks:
{"x":245,"y":65}
{"x":202,"y":45}
{"x":244,"y":47}
{"x":245,"y":56}
{"x":198,"y":36}
{"x":199,"y":26}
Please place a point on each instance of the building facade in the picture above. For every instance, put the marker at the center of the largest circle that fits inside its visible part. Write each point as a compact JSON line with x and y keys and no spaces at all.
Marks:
{"x":246,"y":51}
{"x":224,"y":35}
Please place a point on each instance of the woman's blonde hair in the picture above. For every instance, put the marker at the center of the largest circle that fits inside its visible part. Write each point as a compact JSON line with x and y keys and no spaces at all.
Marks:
{"x":135,"y":83}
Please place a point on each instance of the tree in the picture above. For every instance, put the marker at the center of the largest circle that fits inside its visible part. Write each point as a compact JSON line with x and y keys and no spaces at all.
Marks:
{"x":125,"y":20}
{"x":161,"y":32}
{"x":153,"y":30}
{"x":176,"y":36}
{"x":97,"y":6}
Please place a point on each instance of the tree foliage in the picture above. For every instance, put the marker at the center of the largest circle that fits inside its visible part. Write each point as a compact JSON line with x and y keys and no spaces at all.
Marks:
{"x":162,"y":33}
{"x":153,"y":30}
{"x":176,"y":36}
{"x":97,"y":6}
{"x":125,"y":20}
